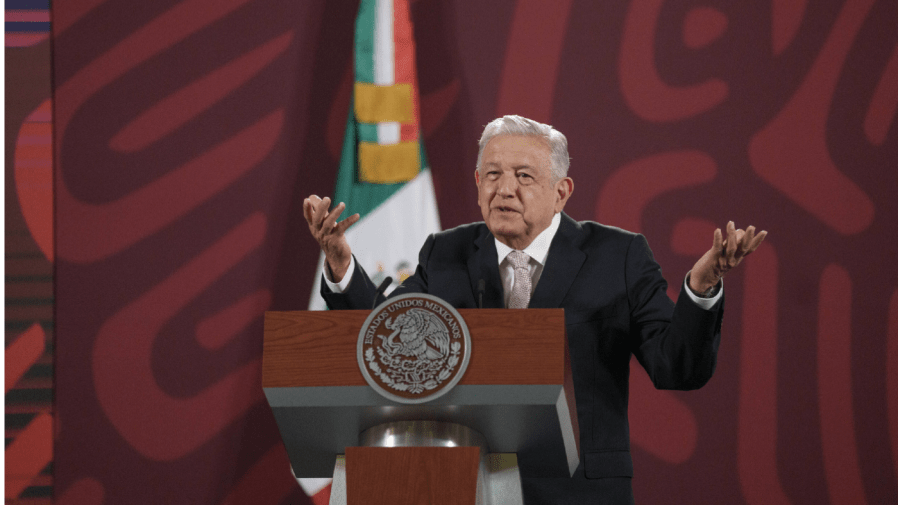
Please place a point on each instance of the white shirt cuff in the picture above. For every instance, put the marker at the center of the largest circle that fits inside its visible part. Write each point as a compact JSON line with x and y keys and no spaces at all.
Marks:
{"x":705,"y":303}
{"x":339,"y":287}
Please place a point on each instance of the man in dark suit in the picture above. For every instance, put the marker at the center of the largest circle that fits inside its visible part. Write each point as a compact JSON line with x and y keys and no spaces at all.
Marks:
{"x":528,"y":253}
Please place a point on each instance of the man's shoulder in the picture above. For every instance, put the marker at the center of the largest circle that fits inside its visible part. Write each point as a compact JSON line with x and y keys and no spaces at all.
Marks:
{"x":593,"y":227}
{"x":591,"y":232}
{"x":463,"y":233}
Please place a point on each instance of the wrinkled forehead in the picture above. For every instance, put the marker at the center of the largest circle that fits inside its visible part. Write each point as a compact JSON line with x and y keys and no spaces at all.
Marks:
{"x":513,"y":151}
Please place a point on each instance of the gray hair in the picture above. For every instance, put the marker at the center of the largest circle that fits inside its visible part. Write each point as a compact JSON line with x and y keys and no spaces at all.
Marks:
{"x":517,"y":125}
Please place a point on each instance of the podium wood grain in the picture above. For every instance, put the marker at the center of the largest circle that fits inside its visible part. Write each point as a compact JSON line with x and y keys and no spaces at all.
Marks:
{"x":411,"y":475}
{"x":307,"y":348}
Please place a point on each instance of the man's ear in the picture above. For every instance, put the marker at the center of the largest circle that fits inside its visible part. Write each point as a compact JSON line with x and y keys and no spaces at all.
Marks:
{"x":563,"y":190}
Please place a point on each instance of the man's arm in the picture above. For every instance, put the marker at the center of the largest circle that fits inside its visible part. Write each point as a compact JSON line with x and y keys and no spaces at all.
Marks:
{"x":679,"y":349}
{"x":341,"y":285}
{"x":358,"y":294}
{"x":676,"y":345}
{"x":704,"y":300}
{"x":329,"y":233}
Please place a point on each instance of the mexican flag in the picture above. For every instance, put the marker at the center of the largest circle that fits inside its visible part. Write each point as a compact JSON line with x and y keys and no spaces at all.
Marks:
{"x":383,"y":173}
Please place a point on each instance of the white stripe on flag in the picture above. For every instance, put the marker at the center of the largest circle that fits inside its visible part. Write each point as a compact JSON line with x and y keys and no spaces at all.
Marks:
{"x":388,"y":133}
{"x":384,"y":57}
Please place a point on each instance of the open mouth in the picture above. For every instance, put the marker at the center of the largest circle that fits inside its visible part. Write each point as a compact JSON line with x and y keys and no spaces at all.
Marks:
{"x":505,"y":210}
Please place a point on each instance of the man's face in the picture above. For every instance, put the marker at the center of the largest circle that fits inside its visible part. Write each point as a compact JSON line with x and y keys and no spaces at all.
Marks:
{"x":515,"y":190}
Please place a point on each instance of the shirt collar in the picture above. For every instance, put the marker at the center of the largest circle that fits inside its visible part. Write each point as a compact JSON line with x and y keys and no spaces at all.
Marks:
{"x":539,"y":248}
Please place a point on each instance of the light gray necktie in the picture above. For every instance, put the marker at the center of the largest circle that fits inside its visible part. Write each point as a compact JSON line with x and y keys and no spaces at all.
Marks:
{"x":520,"y":292}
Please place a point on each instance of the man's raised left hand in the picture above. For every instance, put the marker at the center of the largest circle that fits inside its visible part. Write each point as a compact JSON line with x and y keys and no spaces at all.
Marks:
{"x":724,"y":255}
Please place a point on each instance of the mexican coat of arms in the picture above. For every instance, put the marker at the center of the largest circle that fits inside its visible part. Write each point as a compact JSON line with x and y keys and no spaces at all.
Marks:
{"x":413,"y":348}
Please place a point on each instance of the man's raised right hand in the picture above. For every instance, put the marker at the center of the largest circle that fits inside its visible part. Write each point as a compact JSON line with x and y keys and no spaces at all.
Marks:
{"x":329,"y":233}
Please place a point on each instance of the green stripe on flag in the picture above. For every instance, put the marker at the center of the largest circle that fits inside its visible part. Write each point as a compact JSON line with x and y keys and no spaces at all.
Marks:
{"x":367,"y":132}
{"x":364,"y":41}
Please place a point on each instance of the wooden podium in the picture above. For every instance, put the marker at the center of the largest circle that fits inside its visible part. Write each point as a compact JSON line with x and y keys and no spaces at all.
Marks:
{"x":513,"y":409}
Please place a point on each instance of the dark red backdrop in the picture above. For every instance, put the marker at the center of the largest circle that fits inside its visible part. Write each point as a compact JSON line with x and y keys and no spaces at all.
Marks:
{"x":187,"y":133}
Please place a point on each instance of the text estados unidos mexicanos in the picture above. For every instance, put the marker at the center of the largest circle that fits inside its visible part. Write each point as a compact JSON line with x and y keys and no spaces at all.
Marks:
{"x":445,"y":314}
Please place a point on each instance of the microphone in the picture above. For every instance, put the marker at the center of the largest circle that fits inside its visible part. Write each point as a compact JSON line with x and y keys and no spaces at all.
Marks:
{"x":380,"y":290}
{"x":481,"y":287}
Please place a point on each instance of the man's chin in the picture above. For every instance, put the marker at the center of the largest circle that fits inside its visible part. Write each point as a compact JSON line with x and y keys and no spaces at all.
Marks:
{"x":504,"y":228}
{"x":507,"y":234}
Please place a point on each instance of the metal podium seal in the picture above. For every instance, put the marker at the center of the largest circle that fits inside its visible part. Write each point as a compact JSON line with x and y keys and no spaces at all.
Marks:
{"x":414,"y":348}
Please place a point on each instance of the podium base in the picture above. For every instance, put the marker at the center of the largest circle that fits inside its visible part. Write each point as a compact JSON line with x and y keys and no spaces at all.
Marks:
{"x":431,"y":462}
{"x":499,"y":481}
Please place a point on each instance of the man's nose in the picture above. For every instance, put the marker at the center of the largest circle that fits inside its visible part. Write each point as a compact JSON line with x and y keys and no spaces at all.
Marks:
{"x":507,"y":185}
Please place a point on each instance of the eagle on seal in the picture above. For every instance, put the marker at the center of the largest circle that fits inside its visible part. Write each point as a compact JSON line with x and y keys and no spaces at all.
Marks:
{"x":416,"y":329}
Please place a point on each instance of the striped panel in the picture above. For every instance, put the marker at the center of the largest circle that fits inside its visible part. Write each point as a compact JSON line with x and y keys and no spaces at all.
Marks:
{"x":34,"y":176}
{"x":27,"y":4}
{"x":29,"y":313}
{"x":27,"y":22}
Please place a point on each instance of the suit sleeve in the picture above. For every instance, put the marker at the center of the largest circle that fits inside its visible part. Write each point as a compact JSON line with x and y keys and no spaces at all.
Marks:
{"x":360,"y":292}
{"x":676,"y":344}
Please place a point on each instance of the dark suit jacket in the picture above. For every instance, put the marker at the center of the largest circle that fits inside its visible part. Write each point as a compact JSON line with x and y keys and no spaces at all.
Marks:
{"x":615,"y":304}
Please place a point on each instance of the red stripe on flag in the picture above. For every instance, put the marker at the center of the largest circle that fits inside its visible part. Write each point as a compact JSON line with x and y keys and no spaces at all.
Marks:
{"x":405,"y":71}
{"x":403,"y":42}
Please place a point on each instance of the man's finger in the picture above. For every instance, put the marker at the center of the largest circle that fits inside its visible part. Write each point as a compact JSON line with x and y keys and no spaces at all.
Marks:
{"x":321,"y":211}
{"x":745,"y":244}
{"x":346,"y":223}
{"x":313,"y":202}
{"x":307,"y":210}
{"x":331,"y":220}
{"x":718,"y":241}
{"x":757,"y":240}
{"x":731,"y":240}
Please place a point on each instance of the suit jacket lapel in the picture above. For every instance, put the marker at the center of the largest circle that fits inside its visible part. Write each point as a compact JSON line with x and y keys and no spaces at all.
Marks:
{"x":484,"y":264}
{"x":562,"y":265}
